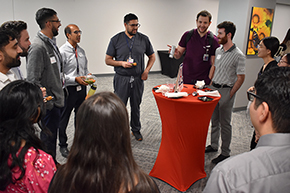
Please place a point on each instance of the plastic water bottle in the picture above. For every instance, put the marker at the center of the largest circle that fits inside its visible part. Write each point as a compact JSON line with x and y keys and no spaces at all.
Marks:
{"x":171,"y":54}
{"x":92,"y":90}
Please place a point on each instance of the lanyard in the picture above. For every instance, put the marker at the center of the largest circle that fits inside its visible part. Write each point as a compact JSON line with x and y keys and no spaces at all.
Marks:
{"x":20,"y":75}
{"x":78,"y":67}
{"x":130,"y":46}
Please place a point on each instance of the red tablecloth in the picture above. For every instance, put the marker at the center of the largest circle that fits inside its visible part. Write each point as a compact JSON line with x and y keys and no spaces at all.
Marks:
{"x":185,"y":121}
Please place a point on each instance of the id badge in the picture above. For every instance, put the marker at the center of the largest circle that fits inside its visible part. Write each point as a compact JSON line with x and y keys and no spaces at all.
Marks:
{"x":52,"y":60}
{"x":79,"y":88}
{"x":205,"y":57}
{"x":131,"y":60}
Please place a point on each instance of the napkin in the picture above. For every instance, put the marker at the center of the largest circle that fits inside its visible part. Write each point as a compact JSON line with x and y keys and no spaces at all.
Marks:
{"x":176,"y":94}
{"x":214,"y":93}
{"x":163,"y":89}
{"x":200,"y":84}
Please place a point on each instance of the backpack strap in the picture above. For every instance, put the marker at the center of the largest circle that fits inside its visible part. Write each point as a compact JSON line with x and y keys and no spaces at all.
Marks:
{"x":188,"y":36}
{"x":210,"y":38}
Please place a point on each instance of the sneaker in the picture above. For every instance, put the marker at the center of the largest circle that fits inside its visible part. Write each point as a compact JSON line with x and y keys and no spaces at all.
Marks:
{"x":137,"y":135}
{"x":64,"y":151}
{"x":219,"y":159}
{"x":210,"y":149}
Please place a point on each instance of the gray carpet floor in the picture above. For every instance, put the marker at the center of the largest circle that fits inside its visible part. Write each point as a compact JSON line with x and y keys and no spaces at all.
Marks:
{"x":145,"y":152}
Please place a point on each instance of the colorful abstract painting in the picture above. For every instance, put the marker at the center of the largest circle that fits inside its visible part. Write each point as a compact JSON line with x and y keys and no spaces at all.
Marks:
{"x":260,"y":27}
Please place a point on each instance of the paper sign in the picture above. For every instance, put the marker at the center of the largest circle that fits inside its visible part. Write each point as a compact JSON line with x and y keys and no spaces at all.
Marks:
{"x":179,"y":79}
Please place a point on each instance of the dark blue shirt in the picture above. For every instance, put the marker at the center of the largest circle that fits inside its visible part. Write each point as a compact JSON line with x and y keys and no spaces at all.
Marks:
{"x":119,"y":48}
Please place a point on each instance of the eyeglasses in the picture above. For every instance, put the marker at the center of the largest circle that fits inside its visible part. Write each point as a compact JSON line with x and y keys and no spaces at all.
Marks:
{"x":283,"y":61}
{"x":57,"y":21}
{"x":76,"y":32}
{"x":135,"y":25}
{"x":251,"y":95}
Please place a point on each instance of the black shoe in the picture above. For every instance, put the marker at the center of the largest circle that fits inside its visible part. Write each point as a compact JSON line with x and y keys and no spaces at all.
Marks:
{"x":64,"y":151}
{"x":219,"y":159}
{"x":210,"y":149}
{"x":137,"y":135}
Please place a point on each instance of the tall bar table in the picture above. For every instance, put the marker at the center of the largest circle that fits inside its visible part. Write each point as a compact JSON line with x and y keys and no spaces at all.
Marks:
{"x":185,"y":121}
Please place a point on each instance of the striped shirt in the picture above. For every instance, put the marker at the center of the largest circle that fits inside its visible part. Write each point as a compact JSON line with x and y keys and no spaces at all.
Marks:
{"x":228,"y":64}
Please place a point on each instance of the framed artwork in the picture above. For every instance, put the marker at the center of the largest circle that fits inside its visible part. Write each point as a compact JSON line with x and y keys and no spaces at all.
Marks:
{"x":260,"y":27}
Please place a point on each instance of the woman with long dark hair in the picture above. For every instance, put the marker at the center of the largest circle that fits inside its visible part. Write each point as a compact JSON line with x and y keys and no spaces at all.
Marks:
{"x":101,"y":159}
{"x":267,"y":49}
{"x":24,"y":166}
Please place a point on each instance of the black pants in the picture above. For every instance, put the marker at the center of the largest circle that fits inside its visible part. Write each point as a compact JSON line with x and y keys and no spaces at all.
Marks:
{"x":130,"y":87}
{"x":73,"y":100}
{"x":51,"y":121}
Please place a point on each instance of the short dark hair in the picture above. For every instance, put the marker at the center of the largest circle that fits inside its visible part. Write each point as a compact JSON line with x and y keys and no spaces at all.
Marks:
{"x":129,"y":17}
{"x":273,"y":86}
{"x":229,"y":26}
{"x":5,"y":37}
{"x":204,"y":13}
{"x":67,"y":30}
{"x":42,"y":15}
{"x":16,"y":26}
{"x":272,"y":44}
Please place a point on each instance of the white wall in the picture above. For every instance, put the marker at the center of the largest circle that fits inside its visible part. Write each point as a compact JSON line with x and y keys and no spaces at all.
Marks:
{"x":164,"y":21}
{"x":281,"y":22}
{"x":239,"y":12}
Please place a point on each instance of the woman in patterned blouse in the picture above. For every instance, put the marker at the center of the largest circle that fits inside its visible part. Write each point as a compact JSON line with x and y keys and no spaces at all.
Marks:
{"x":24,"y":166}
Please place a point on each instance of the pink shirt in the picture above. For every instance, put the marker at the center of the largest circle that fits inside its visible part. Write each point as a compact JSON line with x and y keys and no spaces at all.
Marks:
{"x":37,"y":176}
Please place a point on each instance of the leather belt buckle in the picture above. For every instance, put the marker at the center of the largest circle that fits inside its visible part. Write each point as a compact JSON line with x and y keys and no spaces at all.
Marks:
{"x":220,"y":85}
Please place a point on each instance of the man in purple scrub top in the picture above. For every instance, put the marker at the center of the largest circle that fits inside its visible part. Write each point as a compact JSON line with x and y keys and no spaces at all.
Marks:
{"x":198,"y":63}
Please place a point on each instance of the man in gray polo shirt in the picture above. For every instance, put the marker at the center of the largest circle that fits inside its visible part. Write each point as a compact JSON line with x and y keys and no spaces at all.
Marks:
{"x":228,"y":78}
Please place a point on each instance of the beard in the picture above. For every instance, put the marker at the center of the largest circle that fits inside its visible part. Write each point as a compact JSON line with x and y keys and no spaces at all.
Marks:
{"x":54,"y":31}
{"x":223,"y":40}
{"x":132,"y":33}
{"x":12,"y":62}
{"x":24,"y":51}
{"x":199,"y":29}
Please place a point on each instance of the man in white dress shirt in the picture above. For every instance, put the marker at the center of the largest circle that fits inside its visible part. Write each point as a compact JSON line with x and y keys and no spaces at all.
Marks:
{"x":22,"y":36}
{"x":9,"y":56}
{"x":75,"y":68}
